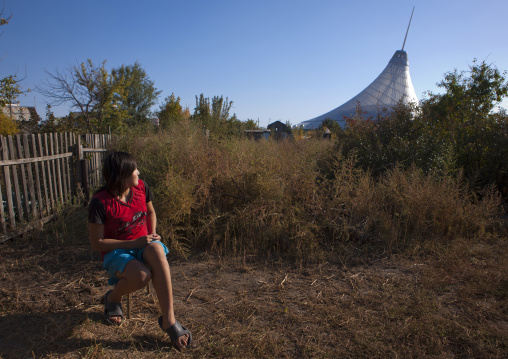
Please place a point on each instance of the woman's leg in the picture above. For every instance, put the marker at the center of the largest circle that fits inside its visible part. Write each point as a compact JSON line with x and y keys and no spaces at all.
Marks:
{"x":135,"y":276}
{"x":155,"y":257}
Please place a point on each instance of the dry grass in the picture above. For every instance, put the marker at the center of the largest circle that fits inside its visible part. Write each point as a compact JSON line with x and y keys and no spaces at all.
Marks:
{"x":448,"y":303}
{"x":297,"y":200}
{"x":278,"y":250}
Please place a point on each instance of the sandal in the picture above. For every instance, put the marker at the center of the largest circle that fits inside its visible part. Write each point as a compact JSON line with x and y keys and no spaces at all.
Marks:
{"x":176,"y":331}
{"x":112,"y":310}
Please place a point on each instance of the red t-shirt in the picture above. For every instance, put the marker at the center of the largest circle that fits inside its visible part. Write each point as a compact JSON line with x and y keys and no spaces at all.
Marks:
{"x":126,"y":221}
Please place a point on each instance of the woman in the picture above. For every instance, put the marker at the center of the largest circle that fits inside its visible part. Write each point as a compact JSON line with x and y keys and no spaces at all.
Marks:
{"x":122,"y":226}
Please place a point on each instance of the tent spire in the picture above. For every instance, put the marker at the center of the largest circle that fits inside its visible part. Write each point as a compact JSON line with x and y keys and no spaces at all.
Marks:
{"x":404,"y":44}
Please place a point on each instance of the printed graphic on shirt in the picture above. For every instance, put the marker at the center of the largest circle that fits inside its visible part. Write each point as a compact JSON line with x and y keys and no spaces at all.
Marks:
{"x":138,"y":220}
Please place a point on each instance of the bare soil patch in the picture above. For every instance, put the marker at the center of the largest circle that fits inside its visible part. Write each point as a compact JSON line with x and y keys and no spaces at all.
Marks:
{"x":435,"y":306}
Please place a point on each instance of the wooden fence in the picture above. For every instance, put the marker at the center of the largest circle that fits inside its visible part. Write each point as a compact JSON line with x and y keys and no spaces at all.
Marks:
{"x":40,"y":173}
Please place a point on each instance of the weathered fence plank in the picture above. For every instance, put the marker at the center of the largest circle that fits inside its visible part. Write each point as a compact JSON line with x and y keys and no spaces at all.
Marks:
{"x":51,"y":171}
{"x":24,"y":197}
{"x":58,"y":169}
{"x":64,"y":167}
{"x":97,"y":160}
{"x":47,"y":201}
{"x":35,"y":159}
{"x":37,"y":178}
{"x":38,"y":173}
{"x":19,"y":207}
{"x":68,"y":161}
{"x":25,"y":202}
{"x":29,"y":174}
{"x":2,"y":214}
{"x":8,"y":188}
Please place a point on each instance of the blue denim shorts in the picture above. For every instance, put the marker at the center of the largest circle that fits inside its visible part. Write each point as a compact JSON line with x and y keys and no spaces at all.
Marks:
{"x":117,"y":259}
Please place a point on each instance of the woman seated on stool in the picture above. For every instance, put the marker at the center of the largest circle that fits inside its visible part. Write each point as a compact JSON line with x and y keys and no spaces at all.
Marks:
{"x":122,"y":225}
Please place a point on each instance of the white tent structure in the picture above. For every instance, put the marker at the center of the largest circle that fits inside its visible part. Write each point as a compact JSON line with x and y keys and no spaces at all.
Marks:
{"x":391,"y":86}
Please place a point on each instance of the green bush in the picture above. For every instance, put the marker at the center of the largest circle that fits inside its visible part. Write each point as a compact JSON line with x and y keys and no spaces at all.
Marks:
{"x":451,"y":133}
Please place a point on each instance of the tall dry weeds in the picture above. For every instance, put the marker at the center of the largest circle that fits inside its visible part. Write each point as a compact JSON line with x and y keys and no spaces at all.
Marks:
{"x":405,"y":208}
{"x":237,"y":197}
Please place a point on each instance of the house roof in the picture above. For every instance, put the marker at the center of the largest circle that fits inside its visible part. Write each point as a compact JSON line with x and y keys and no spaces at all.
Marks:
{"x":19,"y":113}
{"x":277,"y":124}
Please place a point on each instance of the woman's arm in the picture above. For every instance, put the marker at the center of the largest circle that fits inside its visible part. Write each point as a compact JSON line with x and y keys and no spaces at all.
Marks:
{"x":151,"y":218}
{"x":101,"y":244}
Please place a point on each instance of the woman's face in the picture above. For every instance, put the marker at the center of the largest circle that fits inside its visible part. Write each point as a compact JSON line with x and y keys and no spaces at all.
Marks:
{"x":132,"y":181}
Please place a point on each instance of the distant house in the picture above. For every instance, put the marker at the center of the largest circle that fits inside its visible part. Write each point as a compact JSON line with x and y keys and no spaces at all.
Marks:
{"x":20,"y":113}
{"x":279,"y":130}
{"x":258,"y":134}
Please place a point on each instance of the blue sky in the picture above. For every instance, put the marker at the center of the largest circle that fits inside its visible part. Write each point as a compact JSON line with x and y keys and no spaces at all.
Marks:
{"x":287,"y":60}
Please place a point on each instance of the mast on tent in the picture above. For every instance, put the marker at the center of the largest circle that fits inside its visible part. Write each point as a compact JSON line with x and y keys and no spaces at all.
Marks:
{"x":404,"y":44}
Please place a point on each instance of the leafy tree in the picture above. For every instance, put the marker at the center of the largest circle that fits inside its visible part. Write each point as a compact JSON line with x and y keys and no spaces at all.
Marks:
{"x":10,"y":90}
{"x":4,"y":20}
{"x":456,"y":131}
{"x":250,"y":124}
{"x":52,"y":123}
{"x":8,"y":126}
{"x":140,"y":93}
{"x":92,"y":91}
{"x":171,"y":111}
{"x":464,"y":121}
{"x":215,"y":116}
{"x":10,"y":87}
{"x":330,"y":124}
{"x":289,"y":126}
{"x":233,"y":127}
{"x":209,"y":113}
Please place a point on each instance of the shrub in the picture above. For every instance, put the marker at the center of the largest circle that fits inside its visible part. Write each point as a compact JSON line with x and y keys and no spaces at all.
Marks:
{"x":451,"y":133}
{"x":298,"y":200}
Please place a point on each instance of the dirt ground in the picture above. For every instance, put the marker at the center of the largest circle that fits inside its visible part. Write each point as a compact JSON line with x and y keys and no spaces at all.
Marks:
{"x":51,"y":307}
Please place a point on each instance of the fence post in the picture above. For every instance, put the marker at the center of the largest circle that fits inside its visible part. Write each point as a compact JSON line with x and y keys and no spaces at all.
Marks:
{"x":86,"y":187}
{"x":81,"y":172}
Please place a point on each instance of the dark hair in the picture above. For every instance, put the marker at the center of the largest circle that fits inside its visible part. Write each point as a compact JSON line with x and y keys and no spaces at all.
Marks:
{"x":118,"y":167}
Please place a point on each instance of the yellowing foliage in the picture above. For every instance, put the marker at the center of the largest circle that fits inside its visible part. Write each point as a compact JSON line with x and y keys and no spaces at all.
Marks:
{"x":8,"y":126}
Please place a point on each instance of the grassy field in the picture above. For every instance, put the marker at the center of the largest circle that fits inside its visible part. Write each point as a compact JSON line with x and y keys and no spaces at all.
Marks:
{"x":277,"y":250}
{"x":449,"y":303}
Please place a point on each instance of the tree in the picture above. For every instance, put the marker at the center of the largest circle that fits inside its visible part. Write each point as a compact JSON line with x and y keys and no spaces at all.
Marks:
{"x":140,"y":93}
{"x":250,"y":124}
{"x":464,"y":121}
{"x":8,"y":126}
{"x":4,"y":20}
{"x":457,"y":131}
{"x":68,"y":123}
{"x":10,"y":89}
{"x":92,"y":91}
{"x":49,"y":125}
{"x":171,"y":111}
{"x":289,"y":127}
{"x":215,"y":116}
{"x":9,"y":86}
{"x":330,"y":124}
{"x":211,"y":114}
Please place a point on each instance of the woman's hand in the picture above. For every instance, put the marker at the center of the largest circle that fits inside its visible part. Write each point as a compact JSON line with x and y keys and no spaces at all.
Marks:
{"x":144,"y":240}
